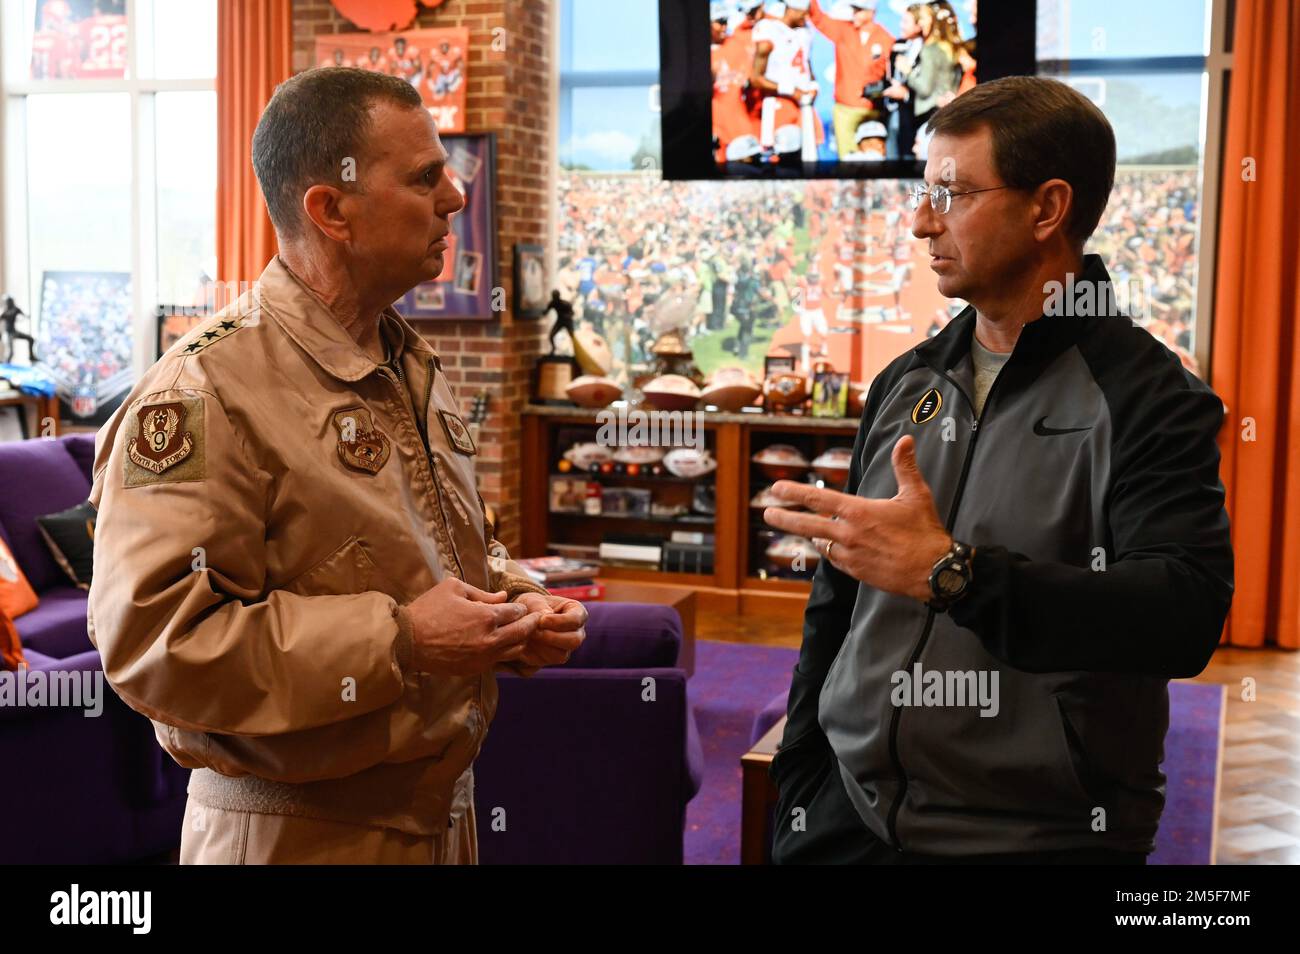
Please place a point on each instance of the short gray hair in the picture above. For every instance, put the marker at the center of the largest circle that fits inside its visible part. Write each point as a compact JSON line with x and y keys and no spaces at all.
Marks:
{"x":313,"y":122}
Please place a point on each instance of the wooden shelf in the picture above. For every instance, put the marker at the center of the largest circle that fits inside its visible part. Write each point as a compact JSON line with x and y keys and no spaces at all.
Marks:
{"x":733,"y":586}
{"x":695,"y":520}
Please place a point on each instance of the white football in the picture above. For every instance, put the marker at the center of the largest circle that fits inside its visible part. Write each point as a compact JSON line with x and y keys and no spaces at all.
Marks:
{"x":689,"y":462}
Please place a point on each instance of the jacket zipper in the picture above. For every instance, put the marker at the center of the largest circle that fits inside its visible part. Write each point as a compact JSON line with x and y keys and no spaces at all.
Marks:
{"x":404,"y":400}
{"x":480,"y":729}
{"x":929,"y":618}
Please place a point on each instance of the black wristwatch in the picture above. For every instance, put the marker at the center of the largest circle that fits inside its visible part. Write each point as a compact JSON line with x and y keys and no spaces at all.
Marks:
{"x":951,"y":577}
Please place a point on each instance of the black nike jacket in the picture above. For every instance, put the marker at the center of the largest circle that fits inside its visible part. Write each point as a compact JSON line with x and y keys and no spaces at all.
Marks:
{"x":1090,"y":489}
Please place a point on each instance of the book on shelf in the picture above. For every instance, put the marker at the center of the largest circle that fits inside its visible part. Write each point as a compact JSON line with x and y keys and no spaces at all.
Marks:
{"x":558,"y":569}
{"x":632,"y":549}
{"x":590,"y":590}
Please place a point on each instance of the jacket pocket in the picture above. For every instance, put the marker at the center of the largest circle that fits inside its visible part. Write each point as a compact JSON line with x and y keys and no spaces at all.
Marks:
{"x":345,"y":571}
{"x":1074,"y":760}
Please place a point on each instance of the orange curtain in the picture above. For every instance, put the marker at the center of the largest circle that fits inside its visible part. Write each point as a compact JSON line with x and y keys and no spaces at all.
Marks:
{"x":1256,"y":354}
{"x":254,"y":53}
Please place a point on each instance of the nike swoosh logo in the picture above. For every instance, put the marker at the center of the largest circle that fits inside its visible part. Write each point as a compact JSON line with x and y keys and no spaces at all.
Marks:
{"x":1042,"y":430}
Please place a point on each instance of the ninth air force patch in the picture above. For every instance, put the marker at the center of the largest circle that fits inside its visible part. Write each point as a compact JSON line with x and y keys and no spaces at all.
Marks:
{"x":164,"y":443}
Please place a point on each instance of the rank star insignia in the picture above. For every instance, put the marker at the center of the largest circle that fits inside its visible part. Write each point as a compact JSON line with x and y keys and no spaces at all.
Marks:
{"x":361,"y":446}
{"x":457,"y":433}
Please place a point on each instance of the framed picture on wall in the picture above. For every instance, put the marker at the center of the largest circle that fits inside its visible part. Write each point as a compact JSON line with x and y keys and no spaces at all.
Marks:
{"x":175,"y":322}
{"x":466,"y":288}
{"x":530,"y":281}
{"x":84,"y":339}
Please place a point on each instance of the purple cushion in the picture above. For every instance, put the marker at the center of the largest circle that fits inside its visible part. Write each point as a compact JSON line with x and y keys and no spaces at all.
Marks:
{"x":629,"y":636}
{"x":40,"y":477}
{"x":82,"y":449}
{"x":58,"y":626}
{"x":768,"y":717}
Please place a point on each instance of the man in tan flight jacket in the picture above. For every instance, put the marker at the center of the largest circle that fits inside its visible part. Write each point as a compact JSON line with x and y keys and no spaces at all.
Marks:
{"x":295,"y":579}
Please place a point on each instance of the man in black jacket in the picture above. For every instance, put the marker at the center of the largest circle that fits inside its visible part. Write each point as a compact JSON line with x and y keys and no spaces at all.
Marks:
{"x":1033,"y":543}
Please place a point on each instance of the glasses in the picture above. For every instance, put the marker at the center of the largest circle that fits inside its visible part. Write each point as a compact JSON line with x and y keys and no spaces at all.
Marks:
{"x":941,"y":196}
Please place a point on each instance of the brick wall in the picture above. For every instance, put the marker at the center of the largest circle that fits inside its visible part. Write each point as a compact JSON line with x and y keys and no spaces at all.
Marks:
{"x":509,"y":94}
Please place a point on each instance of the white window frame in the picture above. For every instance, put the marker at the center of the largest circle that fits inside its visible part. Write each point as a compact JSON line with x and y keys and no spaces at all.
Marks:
{"x":14,"y":213}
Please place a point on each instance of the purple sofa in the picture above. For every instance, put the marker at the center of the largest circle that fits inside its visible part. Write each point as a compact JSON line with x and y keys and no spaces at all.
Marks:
{"x":578,"y":767}
{"x":79,"y":790}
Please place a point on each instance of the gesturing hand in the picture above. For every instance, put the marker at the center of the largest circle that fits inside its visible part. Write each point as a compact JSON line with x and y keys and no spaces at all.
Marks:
{"x":461,"y":630}
{"x":560,"y":630}
{"x":889,"y":544}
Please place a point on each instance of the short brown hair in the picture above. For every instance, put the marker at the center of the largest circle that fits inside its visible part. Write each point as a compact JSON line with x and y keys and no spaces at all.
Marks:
{"x":1042,"y":129}
{"x":313,"y":122}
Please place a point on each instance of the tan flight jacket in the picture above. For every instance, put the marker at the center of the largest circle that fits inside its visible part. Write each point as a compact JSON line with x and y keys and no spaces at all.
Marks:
{"x":251,"y":565}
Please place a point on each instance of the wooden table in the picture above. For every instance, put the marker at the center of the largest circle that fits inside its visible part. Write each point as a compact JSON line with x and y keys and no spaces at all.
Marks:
{"x":678,"y":597}
{"x":758,"y":797}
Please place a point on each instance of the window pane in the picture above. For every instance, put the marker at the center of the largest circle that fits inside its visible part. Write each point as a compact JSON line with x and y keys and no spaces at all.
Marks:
{"x":600,"y":35}
{"x":1096,"y":29}
{"x":610,"y":129}
{"x":79,"y":222}
{"x":185,"y":39}
{"x":187,"y":194}
{"x":1148,"y":234}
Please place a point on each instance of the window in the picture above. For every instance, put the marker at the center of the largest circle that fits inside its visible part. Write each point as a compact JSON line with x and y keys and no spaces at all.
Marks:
{"x":638,"y":255}
{"x":109,"y":173}
{"x":1145,"y":66}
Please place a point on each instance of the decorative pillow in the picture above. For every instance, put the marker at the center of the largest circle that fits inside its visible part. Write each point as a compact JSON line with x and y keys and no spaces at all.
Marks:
{"x":16,"y":594}
{"x":11,"y":647}
{"x":70,"y":535}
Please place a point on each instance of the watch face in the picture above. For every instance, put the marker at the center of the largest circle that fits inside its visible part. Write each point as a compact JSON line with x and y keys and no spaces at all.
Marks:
{"x":949,"y":581}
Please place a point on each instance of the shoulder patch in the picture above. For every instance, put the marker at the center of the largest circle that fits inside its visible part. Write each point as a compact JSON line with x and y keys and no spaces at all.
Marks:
{"x":218,"y":329}
{"x":164,"y":443}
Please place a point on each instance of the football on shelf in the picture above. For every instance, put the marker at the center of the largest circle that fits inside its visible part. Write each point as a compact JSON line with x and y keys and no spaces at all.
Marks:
{"x":671,"y":392}
{"x":636,"y":454}
{"x":786,"y":550}
{"x":785,"y":390}
{"x":730,"y":389}
{"x":589,"y":455}
{"x":781,"y":462}
{"x":592,"y":352}
{"x":689,"y":462}
{"x":765,"y":498}
{"x":589,"y":390}
{"x":833,"y":466}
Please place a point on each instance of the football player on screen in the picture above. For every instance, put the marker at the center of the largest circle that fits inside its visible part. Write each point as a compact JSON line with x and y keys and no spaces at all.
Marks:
{"x":781,"y":81}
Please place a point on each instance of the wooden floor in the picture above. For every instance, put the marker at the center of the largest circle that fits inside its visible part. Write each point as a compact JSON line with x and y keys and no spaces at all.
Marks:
{"x":1258,"y":817}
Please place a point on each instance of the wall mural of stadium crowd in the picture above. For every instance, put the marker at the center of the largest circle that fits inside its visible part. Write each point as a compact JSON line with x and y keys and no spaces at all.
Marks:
{"x":820,"y":270}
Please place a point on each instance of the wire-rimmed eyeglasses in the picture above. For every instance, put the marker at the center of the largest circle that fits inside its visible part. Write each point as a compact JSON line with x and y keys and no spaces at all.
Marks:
{"x":941,"y":196}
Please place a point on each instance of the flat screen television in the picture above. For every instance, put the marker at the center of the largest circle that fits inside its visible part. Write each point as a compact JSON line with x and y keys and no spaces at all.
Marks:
{"x":823,"y":88}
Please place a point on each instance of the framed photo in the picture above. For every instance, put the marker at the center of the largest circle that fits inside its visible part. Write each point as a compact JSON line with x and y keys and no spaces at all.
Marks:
{"x":430,"y":297}
{"x":830,"y":396}
{"x":84,"y":339}
{"x":469,"y":266}
{"x":777,"y":364}
{"x":530,"y":281}
{"x":465,"y":290}
{"x":434,"y":61}
{"x":174,"y":322}
{"x":568,"y":494}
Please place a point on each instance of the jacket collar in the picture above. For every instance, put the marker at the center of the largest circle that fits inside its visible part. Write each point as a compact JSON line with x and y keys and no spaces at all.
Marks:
{"x":1040,"y":341}
{"x":306,"y":319}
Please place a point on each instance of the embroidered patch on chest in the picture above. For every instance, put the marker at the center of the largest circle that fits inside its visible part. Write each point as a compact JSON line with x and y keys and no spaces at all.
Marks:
{"x":457,"y":433}
{"x":361,"y":445}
